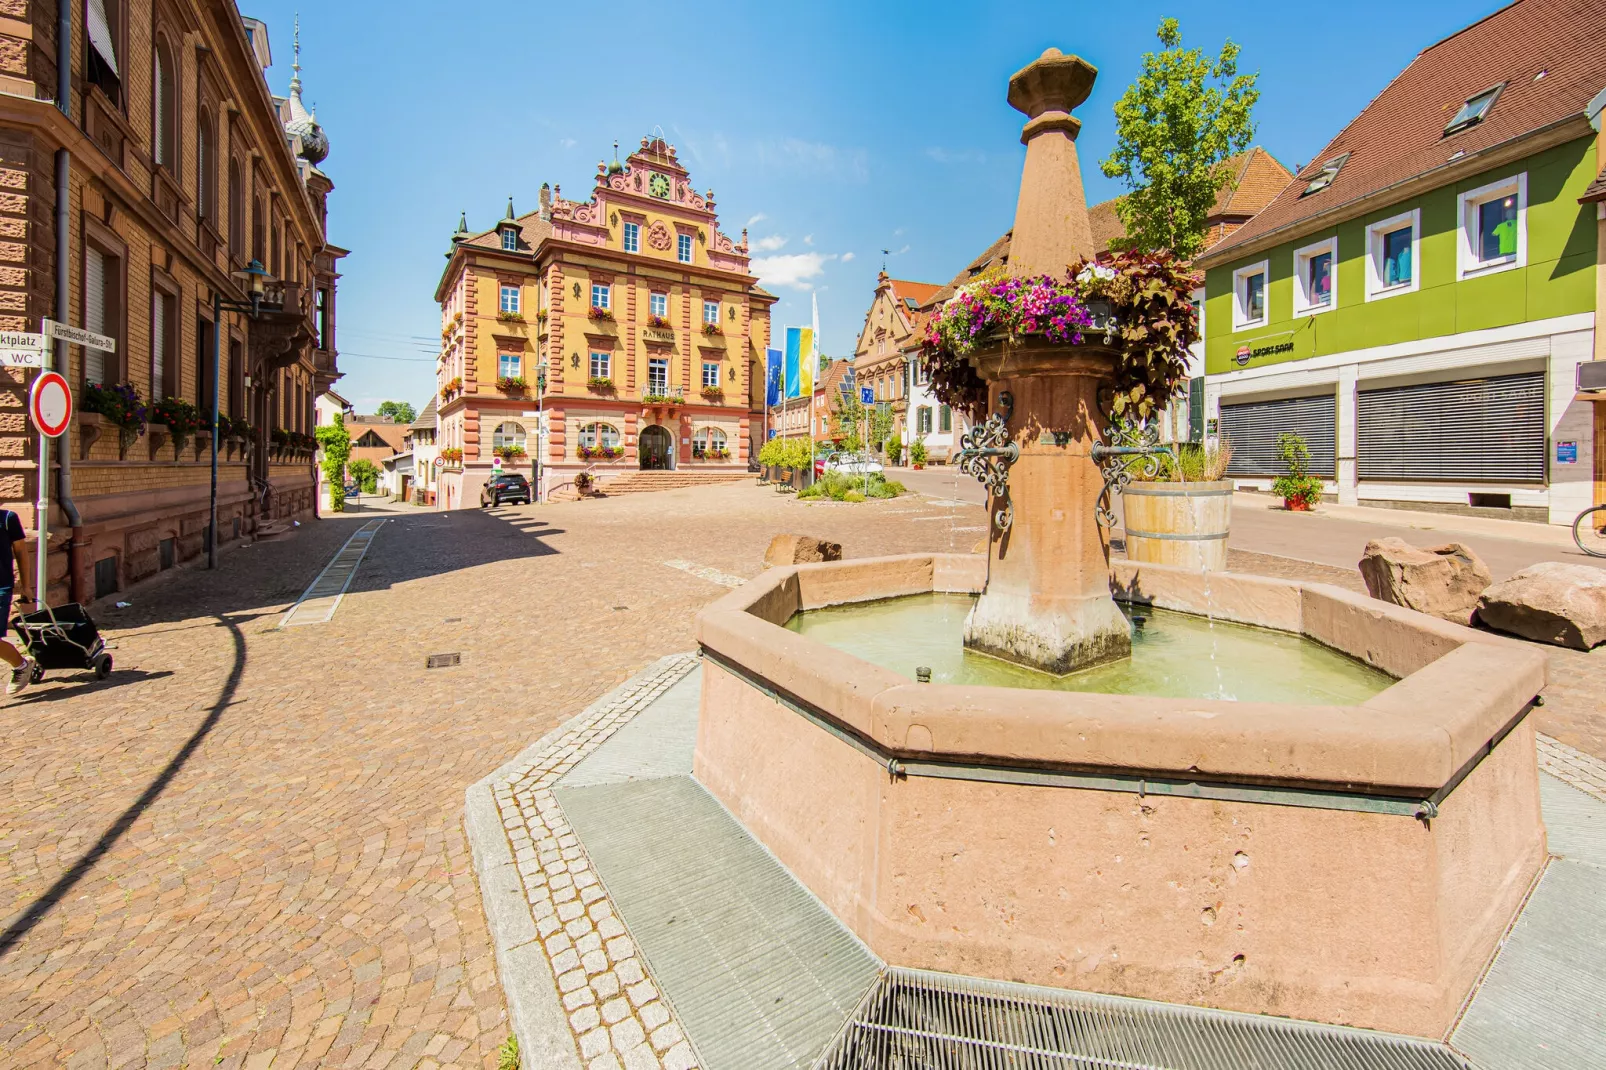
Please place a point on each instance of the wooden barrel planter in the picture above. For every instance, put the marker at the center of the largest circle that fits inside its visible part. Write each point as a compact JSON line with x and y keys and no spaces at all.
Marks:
{"x":1178,"y":523}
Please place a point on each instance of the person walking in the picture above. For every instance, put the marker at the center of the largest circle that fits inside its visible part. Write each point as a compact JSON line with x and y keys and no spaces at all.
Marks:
{"x":11,"y":539}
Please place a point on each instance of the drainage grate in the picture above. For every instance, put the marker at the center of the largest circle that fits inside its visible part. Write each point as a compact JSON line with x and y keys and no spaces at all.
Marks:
{"x":934,"y":1021}
{"x":443,"y":661}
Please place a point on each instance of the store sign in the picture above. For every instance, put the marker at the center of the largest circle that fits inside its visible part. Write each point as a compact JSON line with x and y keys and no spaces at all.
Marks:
{"x":1246,"y":353}
{"x":1567,"y":453}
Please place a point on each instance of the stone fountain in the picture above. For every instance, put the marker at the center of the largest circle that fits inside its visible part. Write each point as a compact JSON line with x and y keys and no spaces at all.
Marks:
{"x":1352,"y":861}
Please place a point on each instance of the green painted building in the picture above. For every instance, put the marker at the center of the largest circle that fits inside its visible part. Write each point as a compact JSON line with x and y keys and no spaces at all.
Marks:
{"x":1417,"y":301}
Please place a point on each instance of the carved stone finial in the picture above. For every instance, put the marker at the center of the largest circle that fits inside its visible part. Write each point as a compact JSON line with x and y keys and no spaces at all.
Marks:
{"x":1051,"y":224}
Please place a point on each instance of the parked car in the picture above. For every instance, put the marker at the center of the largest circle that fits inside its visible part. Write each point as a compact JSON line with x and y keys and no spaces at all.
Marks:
{"x":853,"y":464}
{"x":505,"y":487}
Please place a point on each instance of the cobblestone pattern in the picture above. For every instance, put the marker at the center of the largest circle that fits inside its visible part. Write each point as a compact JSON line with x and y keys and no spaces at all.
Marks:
{"x":613,"y":1006}
{"x":1582,"y":771}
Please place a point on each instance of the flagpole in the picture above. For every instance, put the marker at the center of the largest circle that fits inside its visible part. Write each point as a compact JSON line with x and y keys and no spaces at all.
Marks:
{"x":813,"y":355}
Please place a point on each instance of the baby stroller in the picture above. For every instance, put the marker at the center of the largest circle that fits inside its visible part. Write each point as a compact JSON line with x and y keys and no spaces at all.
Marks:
{"x":62,"y":638}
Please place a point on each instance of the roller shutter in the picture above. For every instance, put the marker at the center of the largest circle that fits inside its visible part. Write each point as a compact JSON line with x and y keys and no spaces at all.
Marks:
{"x":95,"y":272}
{"x":1474,"y":430}
{"x":1252,"y":428}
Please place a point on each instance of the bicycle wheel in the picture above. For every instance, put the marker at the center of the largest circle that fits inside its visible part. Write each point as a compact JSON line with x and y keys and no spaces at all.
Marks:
{"x":1589,"y":531}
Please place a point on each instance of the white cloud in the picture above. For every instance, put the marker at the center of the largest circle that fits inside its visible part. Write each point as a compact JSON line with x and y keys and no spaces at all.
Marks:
{"x":899,"y":252}
{"x":758,"y":218}
{"x":941,"y":155}
{"x":567,"y":143}
{"x":846,"y":257}
{"x":792,"y":270}
{"x":769,"y":244}
{"x":813,"y":157}
{"x":808,"y":239}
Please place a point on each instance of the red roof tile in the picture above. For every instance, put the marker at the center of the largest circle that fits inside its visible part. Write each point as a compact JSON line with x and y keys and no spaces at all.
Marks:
{"x":1596,"y":190}
{"x":1400,"y":135}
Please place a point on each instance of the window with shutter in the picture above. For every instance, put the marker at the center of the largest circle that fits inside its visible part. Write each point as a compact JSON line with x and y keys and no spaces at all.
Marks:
{"x":95,"y":273}
{"x":1252,"y":428}
{"x":159,"y":346}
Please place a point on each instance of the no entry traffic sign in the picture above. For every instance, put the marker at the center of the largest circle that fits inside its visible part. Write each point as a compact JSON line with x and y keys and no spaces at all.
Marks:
{"x":50,"y":402}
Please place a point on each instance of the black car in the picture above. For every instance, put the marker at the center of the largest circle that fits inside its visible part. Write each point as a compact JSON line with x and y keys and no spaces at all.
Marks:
{"x":505,"y":487}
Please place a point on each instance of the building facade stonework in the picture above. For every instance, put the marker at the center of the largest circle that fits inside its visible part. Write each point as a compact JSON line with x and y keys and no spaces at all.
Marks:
{"x":608,"y":335}
{"x":182,"y":167}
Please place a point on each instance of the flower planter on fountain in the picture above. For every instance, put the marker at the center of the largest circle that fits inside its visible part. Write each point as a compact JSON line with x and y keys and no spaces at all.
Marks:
{"x":1353,"y":860}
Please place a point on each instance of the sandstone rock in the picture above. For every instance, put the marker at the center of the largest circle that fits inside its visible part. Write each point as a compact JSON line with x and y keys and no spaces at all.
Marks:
{"x":1441,"y":581}
{"x":1550,"y":602}
{"x":800,"y":550}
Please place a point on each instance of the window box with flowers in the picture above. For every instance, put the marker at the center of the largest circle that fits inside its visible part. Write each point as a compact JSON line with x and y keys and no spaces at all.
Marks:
{"x":711,"y":453}
{"x":510,"y":317}
{"x":453,"y":387}
{"x":600,"y":383}
{"x":599,"y":453}
{"x":601,"y":315}
{"x":711,"y":329}
{"x":661,"y":399}
{"x":659,"y":322}
{"x":508,"y":453}
{"x":452,"y":456}
{"x":118,"y":405}
{"x":713,"y":393}
{"x":181,"y":420}
{"x":512,"y":384}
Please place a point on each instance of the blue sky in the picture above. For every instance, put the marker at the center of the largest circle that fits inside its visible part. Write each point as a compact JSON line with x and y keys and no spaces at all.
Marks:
{"x":833,"y":130}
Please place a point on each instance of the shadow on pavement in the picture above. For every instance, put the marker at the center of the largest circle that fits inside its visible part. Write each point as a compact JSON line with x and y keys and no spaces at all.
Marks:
{"x":22,"y":923}
{"x":118,"y":678}
{"x":431,"y":544}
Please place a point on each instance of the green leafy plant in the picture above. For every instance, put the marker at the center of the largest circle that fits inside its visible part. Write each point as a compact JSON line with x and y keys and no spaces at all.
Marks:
{"x":335,"y":441}
{"x":400,"y":411}
{"x":181,"y":419}
{"x":582,"y":482}
{"x":846,"y":487}
{"x":711,"y":329}
{"x":365,"y":474}
{"x":917,"y":453}
{"x":660,"y":399}
{"x":894,"y":449}
{"x":510,"y":384}
{"x":713,"y":393}
{"x":1175,"y":128}
{"x":599,"y":382}
{"x":507,"y":1056}
{"x":1191,"y":463}
{"x":120,"y":404}
{"x":1298,"y":488}
{"x":510,"y":317}
{"x":508,"y":453}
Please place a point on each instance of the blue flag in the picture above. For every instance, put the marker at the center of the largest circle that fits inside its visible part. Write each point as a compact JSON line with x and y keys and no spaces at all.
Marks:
{"x":775,"y":374}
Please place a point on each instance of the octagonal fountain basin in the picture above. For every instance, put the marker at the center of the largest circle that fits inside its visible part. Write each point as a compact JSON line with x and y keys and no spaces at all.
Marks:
{"x":1347,"y":847}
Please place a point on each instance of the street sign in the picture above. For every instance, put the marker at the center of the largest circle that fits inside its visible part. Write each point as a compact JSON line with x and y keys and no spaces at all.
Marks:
{"x":22,"y":358}
{"x":22,"y":340}
{"x":50,"y":402}
{"x":80,"y":336}
{"x":867,"y":394}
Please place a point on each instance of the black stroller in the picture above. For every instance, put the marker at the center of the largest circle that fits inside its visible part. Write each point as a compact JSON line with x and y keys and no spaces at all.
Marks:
{"x":62,"y":638}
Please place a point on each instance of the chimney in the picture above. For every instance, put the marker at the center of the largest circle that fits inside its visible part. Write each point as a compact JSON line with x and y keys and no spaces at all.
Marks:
{"x":546,"y":201}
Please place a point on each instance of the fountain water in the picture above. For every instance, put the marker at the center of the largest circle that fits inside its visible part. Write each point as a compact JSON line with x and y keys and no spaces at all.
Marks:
{"x":1346,"y":854}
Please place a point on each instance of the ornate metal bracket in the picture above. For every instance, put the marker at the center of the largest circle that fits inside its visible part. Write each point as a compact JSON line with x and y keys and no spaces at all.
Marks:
{"x":986,"y":455}
{"x":1133,"y":448}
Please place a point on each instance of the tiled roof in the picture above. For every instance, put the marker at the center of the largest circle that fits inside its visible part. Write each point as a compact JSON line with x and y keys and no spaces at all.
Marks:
{"x":426,"y":419}
{"x":918,"y":292}
{"x":532,"y":231}
{"x":1257,"y":178}
{"x":1596,"y":190}
{"x":1550,"y":56}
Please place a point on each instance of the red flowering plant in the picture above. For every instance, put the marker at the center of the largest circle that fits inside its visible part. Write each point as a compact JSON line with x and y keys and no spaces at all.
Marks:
{"x":1142,"y":299}
{"x":599,"y":313}
{"x":180,"y":418}
{"x":119,"y":404}
{"x":599,"y":453}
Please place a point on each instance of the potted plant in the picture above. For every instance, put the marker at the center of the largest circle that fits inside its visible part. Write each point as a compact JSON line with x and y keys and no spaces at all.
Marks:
{"x":713,"y":393}
{"x":452,"y":455}
{"x":1298,"y":489}
{"x":509,"y":453}
{"x":711,"y":329}
{"x":452,"y":386}
{"x":917,"y":454}
{"x":118,"y":405}
{"x":660,"y":322}
{"x":1179,"y":507}
{"x":510,"y":317}
{"x":180,"y":418}
{"x":582,"y":483}
{"x":894,"y":450}
{"x":600,"y":314}
{"x":600,"y":382}
{"x":512,"y":384}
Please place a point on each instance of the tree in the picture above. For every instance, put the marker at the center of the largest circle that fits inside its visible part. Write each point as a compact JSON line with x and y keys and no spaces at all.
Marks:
{"x":851,"y":418}
{"x":365,"y":474}
{"x":1175,"y":128}
{"x":335,"y":441}
{"x":401,"y":411}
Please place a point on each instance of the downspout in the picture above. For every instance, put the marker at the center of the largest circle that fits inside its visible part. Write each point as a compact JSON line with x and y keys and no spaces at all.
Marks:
{"x":63,"y":255}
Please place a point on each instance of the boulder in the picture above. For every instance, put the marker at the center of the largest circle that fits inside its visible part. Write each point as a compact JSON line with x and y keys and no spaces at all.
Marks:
{"x":1550,"y":602}
{"x":1441,"y":581}
{"x":800,"y":550}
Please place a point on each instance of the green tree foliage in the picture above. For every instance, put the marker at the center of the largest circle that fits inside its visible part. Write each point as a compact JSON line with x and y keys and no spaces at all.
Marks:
{"x":366,"y":475}
{"x":1175,"y":127}
{"x":400,"y":411}
{"x":335,"y":441}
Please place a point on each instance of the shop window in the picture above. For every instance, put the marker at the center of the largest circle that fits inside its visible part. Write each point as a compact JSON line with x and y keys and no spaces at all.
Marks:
{"x":1494,"y":226}
{"x":1315,"y":285}
{"x":1391,"y":255}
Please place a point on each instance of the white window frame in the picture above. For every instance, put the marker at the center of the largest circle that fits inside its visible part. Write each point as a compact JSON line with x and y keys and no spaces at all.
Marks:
{"x":1375,"y":233}
{"x":631,"y":237}
{"x":711,"y":374}
{"x":683,"y":248}
{"x":599,"y":433}
{"x":653,"y":365}
{"x":1303,"y":305}
{"x":711,"y":312}
{"x":509,"y":299}
{"x":502,"y":365}
{"x":1467,"y":263}
{"x":519,"y":437}
{"x":658,"y":305}
{"x":510,"y":240}
{"x":601,"y":296}
{"x":603,"y":361}
{"x":1240,"y":307}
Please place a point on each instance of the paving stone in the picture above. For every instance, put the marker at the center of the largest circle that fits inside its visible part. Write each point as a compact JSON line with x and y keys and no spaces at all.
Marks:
{"x":615,"y":1010}
{"x":627,"y":1034}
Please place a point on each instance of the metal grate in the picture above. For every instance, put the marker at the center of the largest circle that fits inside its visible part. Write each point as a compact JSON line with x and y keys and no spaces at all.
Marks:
{"x":1253,"y":426}
{"x":916,"y":1020}
{"x":443,"y":661}
{"x":1476,"y":430}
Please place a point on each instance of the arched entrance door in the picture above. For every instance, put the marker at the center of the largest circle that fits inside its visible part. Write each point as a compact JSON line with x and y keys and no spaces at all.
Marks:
{"x":656,"y":448}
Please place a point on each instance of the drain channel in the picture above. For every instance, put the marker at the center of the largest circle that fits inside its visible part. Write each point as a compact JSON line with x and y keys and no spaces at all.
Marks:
{"x":934,"y":1021}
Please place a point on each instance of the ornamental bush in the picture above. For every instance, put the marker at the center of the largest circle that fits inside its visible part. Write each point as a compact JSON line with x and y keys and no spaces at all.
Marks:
{"x":1298,"y":485}
{"x":335,"y":441}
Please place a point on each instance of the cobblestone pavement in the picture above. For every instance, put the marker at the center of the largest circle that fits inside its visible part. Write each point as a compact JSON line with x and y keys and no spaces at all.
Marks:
{"x":246,"y":848}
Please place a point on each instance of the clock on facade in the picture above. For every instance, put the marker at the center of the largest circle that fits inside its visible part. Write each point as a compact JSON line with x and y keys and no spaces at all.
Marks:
{"x":658,"y":186}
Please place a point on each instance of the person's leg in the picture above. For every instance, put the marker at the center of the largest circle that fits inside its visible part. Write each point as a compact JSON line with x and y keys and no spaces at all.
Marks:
{"x":8,"y":653}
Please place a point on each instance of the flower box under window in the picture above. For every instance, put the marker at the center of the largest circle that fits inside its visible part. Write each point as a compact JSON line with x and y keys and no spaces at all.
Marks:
{"x":599,"y":313}
{"x":598,"y":382}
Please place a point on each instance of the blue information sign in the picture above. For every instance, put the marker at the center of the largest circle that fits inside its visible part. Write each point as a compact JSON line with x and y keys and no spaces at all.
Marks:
{"x":1567,"y":453}
{"x":866,"y":394}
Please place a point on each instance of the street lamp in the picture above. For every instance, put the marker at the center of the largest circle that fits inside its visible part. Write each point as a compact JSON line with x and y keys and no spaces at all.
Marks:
{"x":255,"y":278}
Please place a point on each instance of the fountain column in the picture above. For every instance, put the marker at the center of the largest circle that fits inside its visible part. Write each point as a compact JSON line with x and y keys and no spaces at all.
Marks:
{"x":1047,"y":602}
